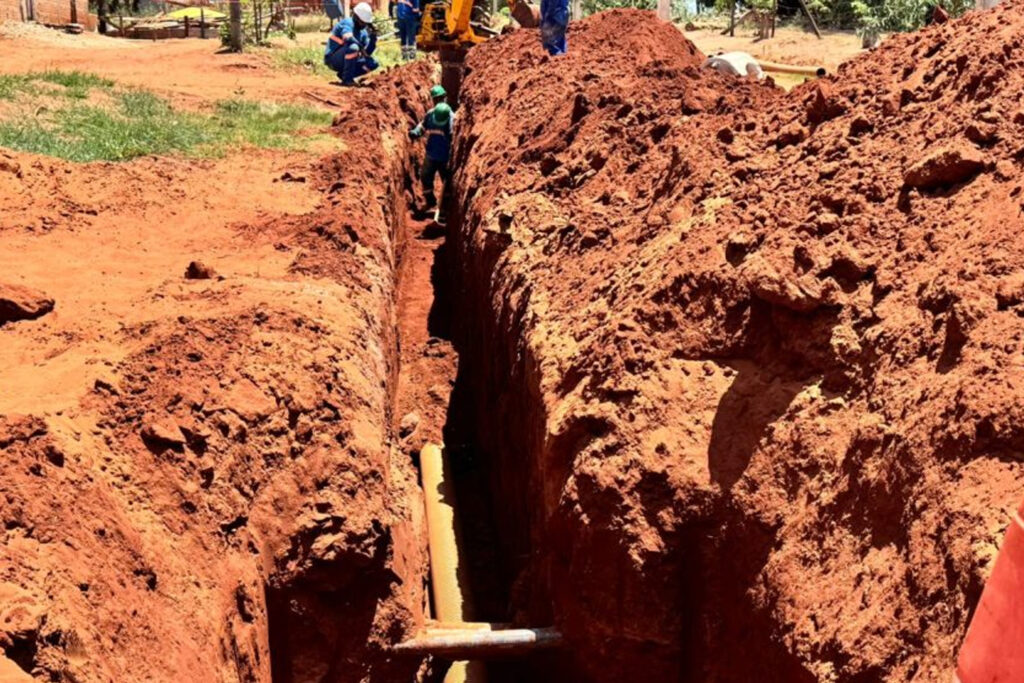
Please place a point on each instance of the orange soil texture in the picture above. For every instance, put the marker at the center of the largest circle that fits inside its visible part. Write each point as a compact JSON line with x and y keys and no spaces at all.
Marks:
{"x":746,"y":364}
{"x":198,"y":472}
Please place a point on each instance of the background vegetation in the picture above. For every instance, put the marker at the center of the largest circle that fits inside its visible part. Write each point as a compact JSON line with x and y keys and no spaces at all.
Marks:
{"x":82,"y":117}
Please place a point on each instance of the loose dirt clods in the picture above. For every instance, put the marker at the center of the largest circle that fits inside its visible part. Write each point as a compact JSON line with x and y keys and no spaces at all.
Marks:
{"x":729,"y":376}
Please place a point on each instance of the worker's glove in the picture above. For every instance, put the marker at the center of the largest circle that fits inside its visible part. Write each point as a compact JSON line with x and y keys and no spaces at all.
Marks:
{"x":413,"y":134}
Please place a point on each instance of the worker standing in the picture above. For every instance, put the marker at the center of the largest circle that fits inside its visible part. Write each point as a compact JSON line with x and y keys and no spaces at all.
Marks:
{"x":350,"y":46}
{"x":437,"y":127}
{"x":407,"y":17}
{"x":333,"y":10}
{"x":554,"y":22}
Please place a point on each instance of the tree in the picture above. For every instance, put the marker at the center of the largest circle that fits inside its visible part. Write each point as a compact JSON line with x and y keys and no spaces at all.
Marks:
{"x":235,"y":21}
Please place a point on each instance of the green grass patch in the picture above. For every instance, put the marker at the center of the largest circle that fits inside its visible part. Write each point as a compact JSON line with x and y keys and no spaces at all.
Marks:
{"x":311,"y":57}
{"x":264,"y":124}
{"x":76,"y":84}
{"x":133,"y":123}
{"x":73,"y":84}
{"x":307,"y":57}
{"x":11,"y":85}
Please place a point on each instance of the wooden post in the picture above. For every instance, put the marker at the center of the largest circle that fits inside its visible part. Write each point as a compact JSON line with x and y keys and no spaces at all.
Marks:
{"x":732,"y":18}
{"x":235,"y":13}
{"x":665,"y":10}
{"x":775,"y":15}
{"x":186,"y":27}
{"x":202,"y":22}
{"x":807,"y":12}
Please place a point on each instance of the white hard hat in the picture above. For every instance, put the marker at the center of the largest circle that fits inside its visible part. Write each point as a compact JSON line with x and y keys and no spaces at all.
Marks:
{"x":363,"y":12}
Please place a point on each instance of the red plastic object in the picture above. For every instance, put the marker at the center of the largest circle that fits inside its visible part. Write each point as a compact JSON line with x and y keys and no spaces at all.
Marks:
{"x":993,"y":650}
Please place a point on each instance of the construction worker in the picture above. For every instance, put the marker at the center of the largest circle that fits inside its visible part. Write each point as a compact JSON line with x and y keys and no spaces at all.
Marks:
{"x":351,"y":45}
{"x":437,"y":127}
{"x":554,"y":22}
{"x":333,"y":10}
{"x":438,"y":95}
{"x":407,"y":21}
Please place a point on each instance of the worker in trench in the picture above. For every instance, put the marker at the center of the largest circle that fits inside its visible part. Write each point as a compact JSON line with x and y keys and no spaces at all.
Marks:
{"x":554,"y":22}
{"x":351,"y":45}
{"x":437,"y":127}
{"x":407,"y":15}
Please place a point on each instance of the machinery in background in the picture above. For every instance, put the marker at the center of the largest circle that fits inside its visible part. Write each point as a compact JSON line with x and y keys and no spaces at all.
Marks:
{"x":451,"y":27}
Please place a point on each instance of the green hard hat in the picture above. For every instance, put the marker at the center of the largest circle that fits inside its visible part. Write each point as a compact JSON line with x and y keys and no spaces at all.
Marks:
{"x":442,"y":113}
{"x":438,"y":91}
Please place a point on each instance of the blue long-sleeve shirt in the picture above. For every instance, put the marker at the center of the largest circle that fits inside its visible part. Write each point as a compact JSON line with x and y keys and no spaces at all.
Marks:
{"x":354,"y":40}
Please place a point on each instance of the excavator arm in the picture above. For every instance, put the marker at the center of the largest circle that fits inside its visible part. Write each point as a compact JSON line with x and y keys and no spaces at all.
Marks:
{"x":449,"y":24}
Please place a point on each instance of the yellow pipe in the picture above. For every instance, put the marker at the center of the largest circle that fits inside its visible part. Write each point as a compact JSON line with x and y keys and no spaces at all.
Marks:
{"x":447,"y":584}
{"x":791,"y":68}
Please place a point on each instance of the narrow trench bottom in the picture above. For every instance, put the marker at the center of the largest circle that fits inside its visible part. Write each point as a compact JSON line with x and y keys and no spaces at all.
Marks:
{"x":431,"y":388}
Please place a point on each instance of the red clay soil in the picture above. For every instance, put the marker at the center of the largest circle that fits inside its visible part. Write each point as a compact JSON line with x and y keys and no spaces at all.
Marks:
{"x":199,"y":478}
{"x":746,"y":363}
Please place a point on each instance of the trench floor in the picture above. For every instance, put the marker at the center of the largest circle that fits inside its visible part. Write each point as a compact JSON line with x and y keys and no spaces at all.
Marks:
{"x":427,"y":380}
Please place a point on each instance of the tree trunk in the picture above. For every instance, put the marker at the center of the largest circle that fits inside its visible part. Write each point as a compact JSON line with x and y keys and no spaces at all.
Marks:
{"x":235,"y":13}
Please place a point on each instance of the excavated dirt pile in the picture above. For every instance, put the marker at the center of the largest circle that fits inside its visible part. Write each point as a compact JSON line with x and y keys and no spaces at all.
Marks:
{"x":746,"y":363}
{"x":223,"y":503}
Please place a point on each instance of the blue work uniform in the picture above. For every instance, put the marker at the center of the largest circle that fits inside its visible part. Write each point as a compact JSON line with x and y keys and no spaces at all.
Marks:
{"x":554,"y":22}
{"x":407,"y":21}
{"x":439,"y":148}
{"x":351,"y":59}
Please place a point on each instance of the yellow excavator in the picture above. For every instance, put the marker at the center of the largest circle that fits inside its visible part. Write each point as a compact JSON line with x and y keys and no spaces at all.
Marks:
{"x":449,"y":28}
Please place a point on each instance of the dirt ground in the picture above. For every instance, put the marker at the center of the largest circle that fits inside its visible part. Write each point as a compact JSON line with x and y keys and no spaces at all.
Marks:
{"x":186,"y":72}
{"x":728,"y":374}
{"x":207,"y":467}
{"x":791,"y":45}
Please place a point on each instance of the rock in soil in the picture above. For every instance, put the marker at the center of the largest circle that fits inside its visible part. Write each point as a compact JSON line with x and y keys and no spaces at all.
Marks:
{"x":197,"y":270}
{"x":22,"y":303}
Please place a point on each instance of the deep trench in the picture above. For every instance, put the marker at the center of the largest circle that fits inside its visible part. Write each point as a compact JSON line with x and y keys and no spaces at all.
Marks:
{"x":492,"y":429}
{"x":493,"y":561}
{"x":490,"y":582}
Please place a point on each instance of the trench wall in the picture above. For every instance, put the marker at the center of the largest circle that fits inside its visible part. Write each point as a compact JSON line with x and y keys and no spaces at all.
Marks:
{"x":227,"y":502}
{"x":722,"y":346}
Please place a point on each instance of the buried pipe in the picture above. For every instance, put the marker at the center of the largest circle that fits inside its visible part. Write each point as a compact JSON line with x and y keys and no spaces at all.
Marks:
{"x":778,"y":67}
{"x":446,"y":580}
{"x":452,"y":636}
{"x":480,"y":643}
